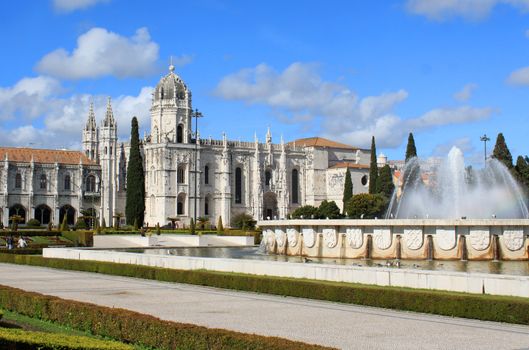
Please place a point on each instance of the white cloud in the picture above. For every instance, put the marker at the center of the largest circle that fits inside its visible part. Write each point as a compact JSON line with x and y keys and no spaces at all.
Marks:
{"x":466,"y":92}
{"x":519,"y":77}
{"x":299,"y":95}
{"x":464,"y":144}
{"x":440,"y":10}
{"x":73,"y":5}
{"x":57,"y":120}
{"x":100,"y":52}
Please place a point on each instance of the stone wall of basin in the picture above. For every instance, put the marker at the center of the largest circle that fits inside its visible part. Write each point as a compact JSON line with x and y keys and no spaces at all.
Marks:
{"x":399,"y":239}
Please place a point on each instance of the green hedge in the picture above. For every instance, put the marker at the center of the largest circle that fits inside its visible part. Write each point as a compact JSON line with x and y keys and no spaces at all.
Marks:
{"x":476,"y":306}
{"x":21,"y":251}
{"x":132,"y":327}
{"x":80,"y":238}
{"x":25,"y":340}
{"x":30,"y":233}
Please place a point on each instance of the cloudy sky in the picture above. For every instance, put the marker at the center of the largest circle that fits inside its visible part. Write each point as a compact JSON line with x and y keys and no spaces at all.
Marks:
{"x":447,"y":70}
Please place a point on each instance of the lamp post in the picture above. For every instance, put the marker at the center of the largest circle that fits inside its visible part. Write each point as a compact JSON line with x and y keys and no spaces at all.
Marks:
{"x":196,"y":114}
{"x":485,"y":138}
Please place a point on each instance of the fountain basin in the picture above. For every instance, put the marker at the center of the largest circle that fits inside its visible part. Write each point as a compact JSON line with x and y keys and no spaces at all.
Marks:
{"x":439,"y":239}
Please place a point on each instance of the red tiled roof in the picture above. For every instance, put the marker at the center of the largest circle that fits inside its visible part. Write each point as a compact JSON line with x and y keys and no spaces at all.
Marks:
{"x":46,"y":156}
{"x":320,"y":142}
{"x":350,"y":165}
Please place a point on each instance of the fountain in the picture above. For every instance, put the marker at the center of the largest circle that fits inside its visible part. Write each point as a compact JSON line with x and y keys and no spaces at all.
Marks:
{"x":459,"y":214}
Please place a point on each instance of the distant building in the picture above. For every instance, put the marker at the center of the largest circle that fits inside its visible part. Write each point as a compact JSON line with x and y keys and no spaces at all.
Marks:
{"x":263,"y":179}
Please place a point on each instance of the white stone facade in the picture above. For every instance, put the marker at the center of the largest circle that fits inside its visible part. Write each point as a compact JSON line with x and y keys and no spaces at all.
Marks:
{"x":263,"y":179}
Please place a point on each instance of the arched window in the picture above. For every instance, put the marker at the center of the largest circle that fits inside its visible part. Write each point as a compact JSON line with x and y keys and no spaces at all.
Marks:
{"x":67,"y":183}
{"x":268,"y":178}
{"x":87,"y":153}
{"x":238,"y":185}
{"x":43,"y":182}
{"x":206,"y":206}
{"x":92,"y":154}
{"x":295,"y":186}
{"x":180,"y":204}
{"x":18,"y":180}
{"x":180,"y":175}
{"x":19,"y":210}
{"x":106,"y":150}
{"x":43,"y":214}
{"x":180,"y":133}
{"x":206,"y":175}
{"x":90,"y":183}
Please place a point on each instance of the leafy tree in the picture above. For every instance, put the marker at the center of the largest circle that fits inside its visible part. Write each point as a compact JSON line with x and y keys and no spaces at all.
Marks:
{"x":306,"y":211}
{"x":373,"y":168}
{"x":366,"y":206}
{"x":411,"y":151}
{"x":501,"y":151}
{"x":385,"y":184}
{"x":522,"y":171}
{"x":347,"y":188}
{"x":220,"y":227}
{"x":328,"y":209}
{"x":201,"y":222}
{"x":243,"y":221}
{"x":81,"y":223}
{"x":135,"y":206}
{"x":158,"y":232}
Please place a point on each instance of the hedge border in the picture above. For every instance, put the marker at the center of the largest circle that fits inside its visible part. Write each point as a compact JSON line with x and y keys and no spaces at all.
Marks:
{"x":473,"y":306}
{"x":135,"y":328}
{"x":20,"y":339}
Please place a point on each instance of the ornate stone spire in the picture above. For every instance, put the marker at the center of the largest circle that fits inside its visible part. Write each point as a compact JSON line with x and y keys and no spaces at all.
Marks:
{"x":268,"y":136}
{"x":109,"y":116}
{"x":91,"y":121}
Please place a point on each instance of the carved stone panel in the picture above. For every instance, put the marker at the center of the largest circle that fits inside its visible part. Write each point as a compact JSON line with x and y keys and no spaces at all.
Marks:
{"x":479,"y":238}
{"x":413,"y":237}
{"x":513,"y":239}
{"x":382,"y":238}
{"x":330,"y":237}
{"x":445,"y":237}
{"x":309,"y":237}
{"x":280,"y":237}
{"x":355,"y":237}
{"x":270,"y":238}
{"x":292,"y":236}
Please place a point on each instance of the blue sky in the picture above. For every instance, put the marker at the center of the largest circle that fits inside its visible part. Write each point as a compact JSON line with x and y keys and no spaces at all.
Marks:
{"x":447,"y":70}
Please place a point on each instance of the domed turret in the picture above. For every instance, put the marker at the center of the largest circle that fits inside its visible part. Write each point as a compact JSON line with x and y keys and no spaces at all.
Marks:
{"x":171,"y":87}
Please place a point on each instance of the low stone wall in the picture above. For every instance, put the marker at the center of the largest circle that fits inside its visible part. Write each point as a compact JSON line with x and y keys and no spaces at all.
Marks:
{"x":439,"y":280}
{"x":168,"y":240}
{"x":492,"y":239}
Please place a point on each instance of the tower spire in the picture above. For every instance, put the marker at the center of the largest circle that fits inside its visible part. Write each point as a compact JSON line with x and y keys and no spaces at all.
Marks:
{"x":91,"y":122}
{"x":171,"y":67}
{"x":109,"y":117}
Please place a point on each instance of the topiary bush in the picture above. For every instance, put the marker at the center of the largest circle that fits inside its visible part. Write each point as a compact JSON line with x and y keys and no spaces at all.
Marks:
{"x":366,"y":206}
{"x":329,"y":209}
{"x":305,"y":212}
{"x":243,"y":221}
{"x":33,"y":223}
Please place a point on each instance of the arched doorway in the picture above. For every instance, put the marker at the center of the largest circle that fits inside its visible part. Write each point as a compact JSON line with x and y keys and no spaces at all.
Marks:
{"x":269,"y":205}
{"x":180,"y":204}
{"x":19,"y":210}
{"x":69,"y":211}
{"x":43,"y":214}
{"x":179,"y":133}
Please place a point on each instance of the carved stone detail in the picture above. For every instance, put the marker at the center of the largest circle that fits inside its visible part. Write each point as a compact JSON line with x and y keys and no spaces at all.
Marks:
{"x":479,"y":238}
{"x":355,"y":237}
{"x":280,"y":237}
{"x":413,"y":237}
{"x":292,"y":236}
{"x":330,"y":237}
{"x":382,"y":238}
{"x":445,"y":237}
{"x":309,"y":237}
{"x":513,"y":239}
{"x":270,"y":239}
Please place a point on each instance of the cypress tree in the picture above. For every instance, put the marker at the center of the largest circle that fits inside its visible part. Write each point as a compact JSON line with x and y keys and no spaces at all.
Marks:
{"x":220,"y":227}
{"x":135,"y":206}
{"x":522,"y":171}
{"x":64,"y":225}
{"x":192,"y":226}
{"x":347,"y":188}
{"x":373,"y":168}
{"x":501,"y":151}
{"x":385,"y":184}
{"x":411,"y":151}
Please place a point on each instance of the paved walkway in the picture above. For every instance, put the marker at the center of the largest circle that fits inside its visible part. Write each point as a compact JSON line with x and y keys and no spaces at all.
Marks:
{"x":339,"y":325}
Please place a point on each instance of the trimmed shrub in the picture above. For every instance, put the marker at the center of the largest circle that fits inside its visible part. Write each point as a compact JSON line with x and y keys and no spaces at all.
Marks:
{"x":80,"y":238}
{"x":306,"y":211}
{"x":220,"y":227}
{"x":243,"y":221}
{"x":475,"y":306}
{"x":133,"y":327}
{"x":33,"y":223}
{"x":329,"y":209}
{"x":20,"y":339}
{"x":366,"y":206}
{"x":81,"y":223}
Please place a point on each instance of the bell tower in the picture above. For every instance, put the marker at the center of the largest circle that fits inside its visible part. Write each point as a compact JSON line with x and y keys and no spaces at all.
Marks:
{"x":90,"y":136}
